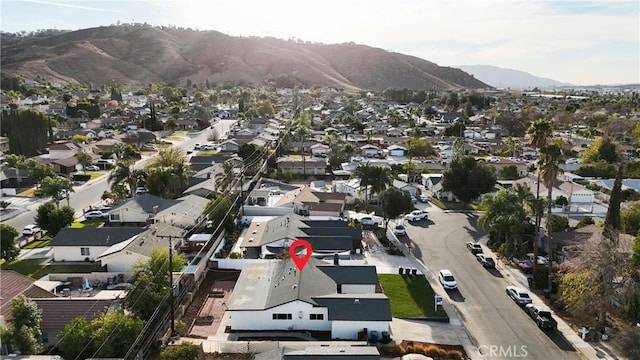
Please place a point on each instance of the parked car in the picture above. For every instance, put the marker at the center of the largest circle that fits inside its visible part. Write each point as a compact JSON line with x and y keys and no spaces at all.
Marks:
{"x":197,"y":147}
{"x":416,"y":215}
{"x":423,"y":198}
{"x":493,"y":159}
{"x":519,"y":295}
{"x":141,"y":190}
{"x":474,"y":247}
{"x":149,"y":147}
{"x":358,"y":158}
{"x":92,"y":168}
{"x":414,"y":199}
{"x":445,"y":276}
{"x":371,"y":221}
{"x":96,"y":214}
{"x":542,"y":316}
{"x":486,"y":261}
{"x":399,"y":230}
{"x":31,"y":229}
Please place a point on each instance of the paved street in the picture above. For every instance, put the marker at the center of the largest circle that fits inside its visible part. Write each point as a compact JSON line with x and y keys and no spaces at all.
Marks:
{"x":89,"y":194}
{"x":491,"y":317}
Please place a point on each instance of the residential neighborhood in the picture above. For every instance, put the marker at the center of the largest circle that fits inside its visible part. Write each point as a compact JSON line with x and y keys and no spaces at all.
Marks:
{"x":175,"y":208}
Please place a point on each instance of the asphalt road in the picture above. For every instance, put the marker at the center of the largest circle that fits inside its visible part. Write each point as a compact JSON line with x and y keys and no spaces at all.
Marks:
{"x":89,"y":194}
{"x":493,"y":319}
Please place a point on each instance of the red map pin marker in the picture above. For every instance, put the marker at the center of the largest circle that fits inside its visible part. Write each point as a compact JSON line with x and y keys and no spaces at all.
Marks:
{"x":300,"y":261}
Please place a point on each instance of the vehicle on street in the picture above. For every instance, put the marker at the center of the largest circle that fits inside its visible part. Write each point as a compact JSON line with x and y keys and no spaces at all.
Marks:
{"x":371,"y":221}
{"x":486,"y":261}
{"x":447,"y":280}
{"x":197,"y":147}
{"x":542,"y":316}
{"x":358,"y":158}
{"x":141,"y":190}
{"x":414,"y":199}
{"x":474,"y":247}
{"x":519,"y":295}
{"x":416,"y":215}
{"x":96,"y":214}
{"x":423,"y":198}
{"x":493,"y":159}
{"x":399,"y":230}
{"x":149,"y":147}
{"x":92,"y":168}
{"x":105,"y":162}
{"x":31,"y":229}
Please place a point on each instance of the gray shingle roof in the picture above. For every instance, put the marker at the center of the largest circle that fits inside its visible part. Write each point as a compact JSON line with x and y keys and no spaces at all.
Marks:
{"x":104,"y":236}
{"x":145,"y":203}
{"x":351,"y":274}
{"x":356,"y":307}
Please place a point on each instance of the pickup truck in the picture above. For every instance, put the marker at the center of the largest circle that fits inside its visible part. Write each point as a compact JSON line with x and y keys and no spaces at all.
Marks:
{"x":416,"y":215}
{"x":371,"y":221}
{"x":542,"y":316}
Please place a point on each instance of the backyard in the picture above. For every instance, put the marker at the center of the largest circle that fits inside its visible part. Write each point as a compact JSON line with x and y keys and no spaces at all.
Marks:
{"x":410,"y":296}
{"x":37,"y":268}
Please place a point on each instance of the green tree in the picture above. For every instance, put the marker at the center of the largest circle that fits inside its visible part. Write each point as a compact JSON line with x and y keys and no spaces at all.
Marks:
{"x":380,"y":179}
{"x":506,"y":220}
{"x":630,"y":218}
{"x":509,"y":173}
{"x":84,"y":159}
{"x":79,"y":139}
{"x":456,"y":130}
{"x":151,"y":282}
{"x":364,"y":172}
{"x":26,"y":318}
{"x":52,"y":219}
{"x":108,"y":336}
{"x":602,"y":149}
{"x":28,"y":130}
{"x":559,"y":223}
{"x":612,"y":220}
{"x":184,"y":351}
{"x":8,"y":249}
{"x":395,"y":202}
{"x":38,"y":171}
{"x":225,"y":178}
{"x":220,"y":211}
{"x":158,"y":181}
{"x":467,"y":179}
{"x":58,"y":187}
{"x":15,"y":163}
{"x":127,"y":174}
{"x":167,"y":157}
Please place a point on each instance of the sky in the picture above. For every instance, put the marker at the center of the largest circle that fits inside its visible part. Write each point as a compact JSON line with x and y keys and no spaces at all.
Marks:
{"x":574,"y":41}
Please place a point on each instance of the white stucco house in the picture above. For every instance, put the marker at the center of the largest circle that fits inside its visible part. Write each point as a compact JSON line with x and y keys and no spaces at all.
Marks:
{"x":397,"y":150}
{"x":326,"y":297}
{"x":87,"y":244}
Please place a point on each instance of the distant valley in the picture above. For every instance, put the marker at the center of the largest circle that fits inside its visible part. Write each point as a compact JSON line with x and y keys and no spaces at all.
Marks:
{"x":508,"y":78}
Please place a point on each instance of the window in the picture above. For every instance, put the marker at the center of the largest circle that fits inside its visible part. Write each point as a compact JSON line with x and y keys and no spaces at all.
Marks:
{"x":282,"y":317}
{"x":84,"y":252}
{"x":114,"y":217}
{"x":316,"y":316}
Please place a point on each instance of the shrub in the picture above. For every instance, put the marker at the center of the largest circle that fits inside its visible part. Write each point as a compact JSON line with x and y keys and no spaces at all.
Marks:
{"x":585,"y":221}
{"x":81,"y":177}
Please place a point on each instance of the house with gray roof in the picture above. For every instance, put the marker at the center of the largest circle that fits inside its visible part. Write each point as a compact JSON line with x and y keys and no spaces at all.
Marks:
{"x":322,"y":297}
{"x":139,"y":210}
{"x":322,"y":353}
{"x":88,"y":243}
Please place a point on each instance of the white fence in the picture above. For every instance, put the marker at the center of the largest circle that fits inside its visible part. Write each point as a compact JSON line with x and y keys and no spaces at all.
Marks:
{"x":256,"y":347}
{"x":238,"y":264}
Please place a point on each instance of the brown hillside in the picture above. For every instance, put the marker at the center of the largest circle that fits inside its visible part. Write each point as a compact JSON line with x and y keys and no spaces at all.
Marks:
{"x":140,"y":55}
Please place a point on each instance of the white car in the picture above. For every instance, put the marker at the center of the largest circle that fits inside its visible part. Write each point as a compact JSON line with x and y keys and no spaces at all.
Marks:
{"x":445,"y":276}
{"x":141,"y":190}
{"x":92,"y":168}
{"x":493,"y":159}
{"x":416,"y":215}
{"x":571,"y":161}
{"x":371,"y":221}
{"x":423,"y":198}
{"x":93,"y":215}
{"x":31,"y":229}
{"x":399,"y":230}
{"x":519,"y":295}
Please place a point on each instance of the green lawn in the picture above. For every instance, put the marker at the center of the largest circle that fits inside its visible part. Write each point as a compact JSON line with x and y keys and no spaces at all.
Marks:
{"x":78,"y":224}
{"x":36,"y":268}
{"x":173,"y":138}
{"x":94,"y":174}
{"x":410,"y":296}
{"x":37,"y":244}
{"x":180,"y":132}
{"x":31,"y":192}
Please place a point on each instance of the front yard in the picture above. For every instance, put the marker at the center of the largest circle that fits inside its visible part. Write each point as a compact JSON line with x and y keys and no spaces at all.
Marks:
{"x":410,"y":296}
{"x":78,"y":224}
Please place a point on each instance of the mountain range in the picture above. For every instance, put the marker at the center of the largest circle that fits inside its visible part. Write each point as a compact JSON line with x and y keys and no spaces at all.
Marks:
{"x":144,"y":54}
{"x":508,"y":78}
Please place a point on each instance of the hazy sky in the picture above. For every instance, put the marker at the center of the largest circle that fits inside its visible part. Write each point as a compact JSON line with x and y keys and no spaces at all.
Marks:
{"x":575,"y":41}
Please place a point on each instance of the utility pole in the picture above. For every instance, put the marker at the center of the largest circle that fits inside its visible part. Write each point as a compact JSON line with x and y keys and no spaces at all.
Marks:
{"x":172,"y":302}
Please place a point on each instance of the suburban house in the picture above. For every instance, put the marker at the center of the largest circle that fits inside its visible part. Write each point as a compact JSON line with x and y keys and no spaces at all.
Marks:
{"x":309,"y":166}
{"x":63,"y":156}
{"x":405,"y":186}
{"x":433,"y":184}
{"x":521,"y":167}
{"x":269,"y":238}
{"x":86,"y":244}
{"x":397,"y":150}
{"x":14,"y":284}
{"x":57,"y":312}
{"x":305,"y":201}
{"x":370,"y":150}
{"x":339,"y":300}
{"x":573,"y":243}
{"x":229,"y":145}
{"x":581,"y":199}
{"x":121,"y":256}
{"x":319,"y":150}
{"x":138,"y":211}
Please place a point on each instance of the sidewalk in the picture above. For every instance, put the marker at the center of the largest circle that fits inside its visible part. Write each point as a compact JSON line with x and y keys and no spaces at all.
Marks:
{"x":517,"y":278}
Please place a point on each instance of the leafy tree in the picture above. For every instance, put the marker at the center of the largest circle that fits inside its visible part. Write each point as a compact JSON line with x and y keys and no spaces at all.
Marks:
{"x":630,"y":218}
{"x":52,"y":219}
{"x":217,"y":211}
{"x":225,"y":178}
{"x":38,"y":171}
{"x":395,"y":202}
{"x":559,"y":223}
{"x":158,"y":181}
{"x":585,"y":221}
{"x":602,"y":149}
{"x":506,"y":220}
{"x":79,"y":139}
{"x":456,"y":130}
{"x":467,"y":179}
{"x":363,"y":172}
{"x":125,"y":173}
{"x":612,"y":220}
{"x":509,"y":173}
{"x":561,"y":200}
{"x":184,"y":351}
{"x":28,"y":130}
{"x":26,"y":318}
{"x":635,"y":133}
{"x":84,"y":159}
{"x":108,"y":336}
{"x":16,"y":163}
{"x":8,"y":248}
{"x":420,"y":147}
{"x":56,"y":187}
{"x":600,"y":169}
{"x":116,"y":94}
{"x":151,"y":282}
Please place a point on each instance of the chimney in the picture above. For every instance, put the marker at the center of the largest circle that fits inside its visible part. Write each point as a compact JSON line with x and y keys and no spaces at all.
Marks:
{"x":336,"y":259}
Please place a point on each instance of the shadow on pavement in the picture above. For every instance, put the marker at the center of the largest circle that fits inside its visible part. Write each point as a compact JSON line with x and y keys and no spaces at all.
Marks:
{"x":559,"y":340}
{"x":495,"y":272}
{"x":456,"y":295}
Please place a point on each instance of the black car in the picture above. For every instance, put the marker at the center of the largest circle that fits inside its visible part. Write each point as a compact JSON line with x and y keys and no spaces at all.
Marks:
{"x":486,"y":261}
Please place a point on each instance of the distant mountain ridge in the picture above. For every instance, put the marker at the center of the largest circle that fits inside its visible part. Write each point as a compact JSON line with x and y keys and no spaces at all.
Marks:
{"x":508,"y":78}
{"x":145,"y":54}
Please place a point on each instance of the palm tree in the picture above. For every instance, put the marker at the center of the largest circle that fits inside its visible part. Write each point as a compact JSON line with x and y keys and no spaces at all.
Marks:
{"x":539,"y":130}
{"x":549,"y":164}
{"x":183,"y":172}
{"x":225,"y":178}
{"x":16,"y":163}
{"x":167,"y":157}
{"x":380,"y":179}
{"x":364,"y":172}
{"x":126,"y":173}
{"x":301,"y":126}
